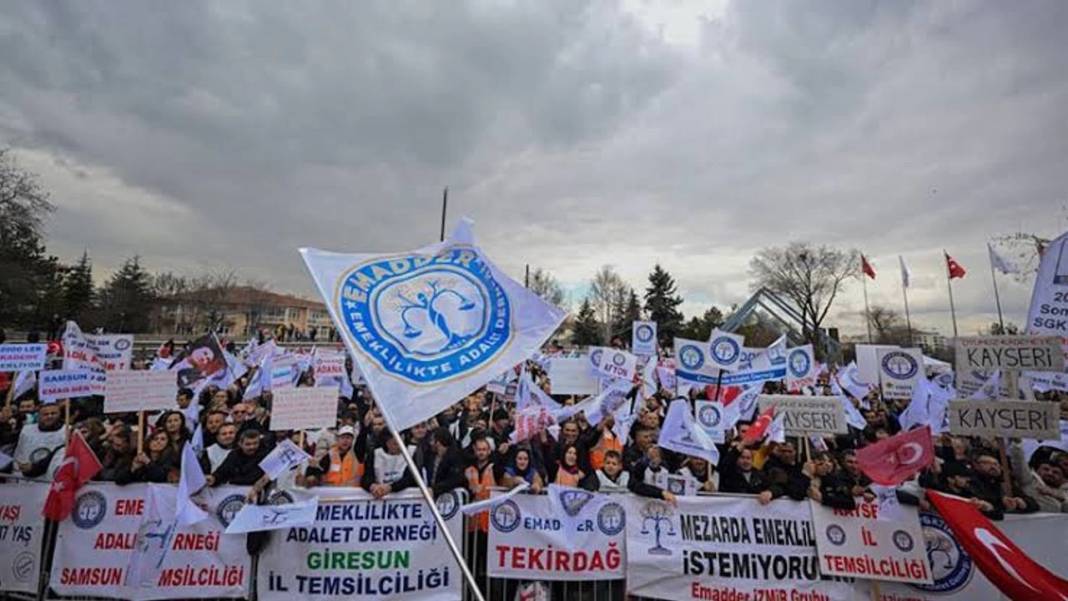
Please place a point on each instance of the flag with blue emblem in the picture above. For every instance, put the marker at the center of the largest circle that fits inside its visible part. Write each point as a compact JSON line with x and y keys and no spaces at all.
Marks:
{"x":427,"y":327}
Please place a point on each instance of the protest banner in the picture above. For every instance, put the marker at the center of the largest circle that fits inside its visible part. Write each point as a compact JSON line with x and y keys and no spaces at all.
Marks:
{"x":613,"y":363}
{"x":139,"y":391}
{"x":956,"y":577}
{"x":60,"y":384}
{"x":643,"y":338}
{"x":868,"y":362}
{"x":329,"y":368}
{"x":362,"y":548}
{"x":97,"y":546}
{"x":21,"y":535}
{"x":724,"y":548}
{"x":724,"y":350}
{"x":899,"y":370}
{"x":1021,"y":353}
{"x":21,"y":357}
{"x":692,"y":365}
{"x":1038,"y":420}
{"x":98,"y":353}
{"x":571,"y":375}
{"x":711,"y":417}
{"x":803,"y":415}
{"x":856,"y":543}
{"x":529,"y":540}
{"x":284,"y":372}
{"x":801,"y":368}
{"x":970,"y":381}
{"x":304,"y":408}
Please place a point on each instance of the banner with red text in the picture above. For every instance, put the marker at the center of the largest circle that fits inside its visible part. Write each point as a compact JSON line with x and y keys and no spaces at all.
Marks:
{"x":530,"y":540}
{"x":857,"y":543}
{"x":95,"y":547}
{"x":21,"y":533}
{"x":726,"y":548}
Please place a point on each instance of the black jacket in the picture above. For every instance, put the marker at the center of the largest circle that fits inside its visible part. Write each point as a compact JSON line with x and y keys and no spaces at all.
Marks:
{"x":239,"y":468}
{"x":786,"y":480}
{"x":445,"y":473}
{"x":731,"y":479}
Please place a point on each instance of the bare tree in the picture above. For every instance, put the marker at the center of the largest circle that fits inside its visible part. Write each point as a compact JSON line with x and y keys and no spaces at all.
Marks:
{"x":808,"y":275}
{"x":545,"y":285}
{"x":888,"y":326}
{"x":608,"y":295}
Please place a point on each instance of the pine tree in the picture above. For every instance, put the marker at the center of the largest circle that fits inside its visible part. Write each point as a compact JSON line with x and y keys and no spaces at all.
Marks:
{"x":586,"y":330}
{"x":78,"y":290}
{"x":700,"y":328}
{"x":662,"y":303}
{"x":629,"y":312}
{"x":126,"y":300}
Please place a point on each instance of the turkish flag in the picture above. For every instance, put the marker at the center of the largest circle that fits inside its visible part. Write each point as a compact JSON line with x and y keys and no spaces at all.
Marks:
{"x":1016,"y":575}
{"x":866,"y":267}
{"x":956,"y":270}
{"x":893,"y":460}
{"x":759,"y":427}
{"x":79,"y":466}
{"x":726,"y":395}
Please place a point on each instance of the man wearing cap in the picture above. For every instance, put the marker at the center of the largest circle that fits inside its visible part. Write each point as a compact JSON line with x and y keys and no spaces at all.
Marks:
{"x":340,"y":466}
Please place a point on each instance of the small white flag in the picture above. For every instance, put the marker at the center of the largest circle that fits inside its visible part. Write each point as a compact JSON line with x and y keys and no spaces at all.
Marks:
{"x":777,"y":429}
{"x":906,"y":273}
{"x":1001,"y":263}
{"x":990,"y":389}
{"x":490,"y":503}
{"x":24,"y":382}
{"x":257,"y":518}
{"x":190,"y":483}
{"x":285,"y":456}
{"x":682,"y":434}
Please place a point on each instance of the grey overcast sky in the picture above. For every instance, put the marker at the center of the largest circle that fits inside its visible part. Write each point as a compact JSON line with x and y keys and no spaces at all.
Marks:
{"x":576,"y":134}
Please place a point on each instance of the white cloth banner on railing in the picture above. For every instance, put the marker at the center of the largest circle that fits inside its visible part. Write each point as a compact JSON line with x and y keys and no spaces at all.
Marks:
{"x":724,"y":548}
{"x":21,"y":533}
{"x":362,"y":548}
{"x":95,"y":546}
{"x":529,"y":541}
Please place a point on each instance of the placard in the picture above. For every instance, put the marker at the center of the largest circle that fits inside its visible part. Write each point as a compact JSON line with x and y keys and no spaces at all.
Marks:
{"x":21,"y":535}
{"x":304,"y":408}
{"x":899,"y":370}
{"x":803,"y":415}
{"x":614,"y":364}
{"x":329,"y":368}
{"x":1021,"y":353}
{"x":970,"y":381}
{"x":21,"y":357}
{"x":643,"y":338}
{"x":139,"y":391}
{"x":364,"y":548}
{"x":59,"y":384}
{"x":571,"y":375}
{"x":1039,"y":420}
{"x":856,"y":543}
{"x":868,"y":362}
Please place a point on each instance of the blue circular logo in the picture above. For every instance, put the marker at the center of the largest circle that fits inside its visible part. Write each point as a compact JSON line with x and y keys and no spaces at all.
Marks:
{"x":951,"y":567}
{"x":709,"y":416}
{"x":618,"y":359}
{"x":903,"y":541}
{"x":122,"y":344}
{"x":506,"y":516}
{"x":280,"y":497}
{"x":426,"y":319}
{"x":836,"y":534}
{"x":644,"y":333}
{"x":89,"y":510}
{"x":448,"y":504}
{"x":725,"y":349}
{"x":691,"y":356}
{"x":595,"y":357}
{"x":611,"y":518}
{"x":899,"y":365}
{"x":799,"y":363}
{"x":228,"y":508}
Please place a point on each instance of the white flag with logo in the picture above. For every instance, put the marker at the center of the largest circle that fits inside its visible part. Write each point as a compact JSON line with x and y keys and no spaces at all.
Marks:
{"x":284,"y":457}
{"x":682,"y":434}
{"x":191,"y":482}
{"x":429,"y":326}
{"x":725,"y":350}
{"x":801,"y":367}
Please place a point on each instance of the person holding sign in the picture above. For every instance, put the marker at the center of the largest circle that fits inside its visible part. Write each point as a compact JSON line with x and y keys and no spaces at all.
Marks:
{"x":159,"y":462}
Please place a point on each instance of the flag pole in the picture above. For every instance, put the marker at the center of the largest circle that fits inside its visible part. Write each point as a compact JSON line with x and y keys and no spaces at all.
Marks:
{"x":997,"y":296}
{"x":949,"y":282}
{"x":867,"y":311}
{"x":444,"y":209}
{"x":908,"y":319}
{"x":442,"y":526}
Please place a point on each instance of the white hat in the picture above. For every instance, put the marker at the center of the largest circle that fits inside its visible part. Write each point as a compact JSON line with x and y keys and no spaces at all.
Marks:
{"x":346,"y":430}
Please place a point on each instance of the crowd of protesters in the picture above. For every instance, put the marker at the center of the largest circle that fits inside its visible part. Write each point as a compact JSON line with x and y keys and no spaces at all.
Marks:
{"x":470,"y":445}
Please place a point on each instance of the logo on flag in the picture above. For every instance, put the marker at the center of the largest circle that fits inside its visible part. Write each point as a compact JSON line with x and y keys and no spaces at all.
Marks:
{"x":448,"y":504}
{"x":644,"y":333}
{"x":426,"y":320}
{"x":611,"y":519}
{"x":725,"y":349}
{"x":951,"y":567}
{"x":902,"y":366}
{"x":89,"y":510}
{"x":799,"y":363}
{"x":691,"y":357}
{"x":506,"y":516}
{"x":709,"y":416}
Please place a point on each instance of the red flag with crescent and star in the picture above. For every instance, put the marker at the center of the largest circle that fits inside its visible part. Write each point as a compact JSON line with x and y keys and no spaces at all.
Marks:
{"x":866,"y":267}
{"x":955,"y":269}
{"x":79,"y":466}
{"x":896,"y":459}
{"x":1016,"y":575}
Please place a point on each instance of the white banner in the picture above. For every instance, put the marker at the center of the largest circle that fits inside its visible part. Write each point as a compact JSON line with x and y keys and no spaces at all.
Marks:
{"x":529,"y":541}
{"x":284,"y":372}
{"x":95,"y":547}
{"x":139,"y":391}
{"x":22,"y":357}
{"x":725,"y":350}
{"x":21,"y":534}
{"x":571,"y":375}
{"x":1038,"y":420}
{"x":361,"y":548}
{"x":801,"y":368}
{"x":329,"y":368}
{"x":899,"y":369}
{"x":304,"y":408}
{"x":613,"y":363}
{"x":725,"y":548}
{"x":1021,"y":353}
{"x":643,"y":338}
{"x":98,"y":353}
{"x":856,"y":543}
{"x":802,"y":415}
{"x":431,"y":325}
{"x":59,"y":384}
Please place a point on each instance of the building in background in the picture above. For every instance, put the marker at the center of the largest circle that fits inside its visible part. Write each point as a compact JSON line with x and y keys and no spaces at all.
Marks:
{"x":240,"y":311}
{"x":930,"y":341}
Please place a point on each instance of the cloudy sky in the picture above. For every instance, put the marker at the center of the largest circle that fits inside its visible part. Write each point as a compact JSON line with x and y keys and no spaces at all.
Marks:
{"x":576,"y":134}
